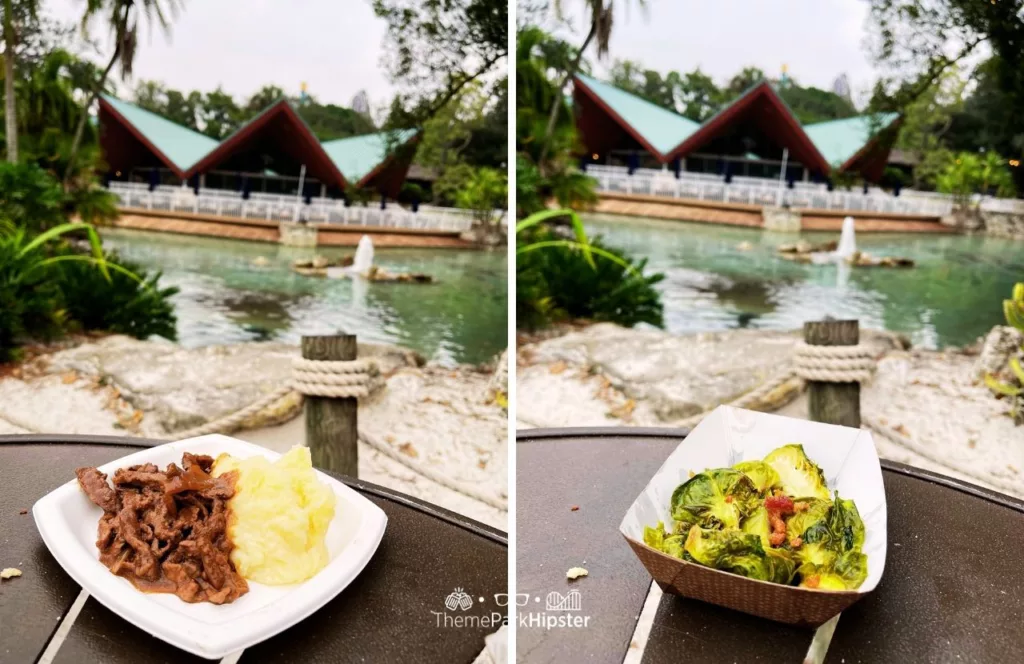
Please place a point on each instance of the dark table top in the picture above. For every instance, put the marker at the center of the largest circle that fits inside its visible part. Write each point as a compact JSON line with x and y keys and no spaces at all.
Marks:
{"x":385,"y":615}
{"x":953,"y":588}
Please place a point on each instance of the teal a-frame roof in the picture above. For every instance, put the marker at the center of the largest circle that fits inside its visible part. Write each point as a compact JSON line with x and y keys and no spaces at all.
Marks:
{"x":136,"y":137}
{"x":824,"y":147}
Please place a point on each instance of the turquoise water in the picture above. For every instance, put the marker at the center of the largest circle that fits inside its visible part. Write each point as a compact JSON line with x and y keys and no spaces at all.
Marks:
{"x":952,"y":296}
{"x":226,"y":297}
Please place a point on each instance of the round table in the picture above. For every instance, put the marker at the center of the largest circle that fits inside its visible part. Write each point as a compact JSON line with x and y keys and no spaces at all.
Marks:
{"x":953,"y":588}
{"x":385,"y":615}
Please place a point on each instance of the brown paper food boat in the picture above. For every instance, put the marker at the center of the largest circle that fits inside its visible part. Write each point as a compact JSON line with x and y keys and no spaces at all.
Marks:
{"x":727,"y":436}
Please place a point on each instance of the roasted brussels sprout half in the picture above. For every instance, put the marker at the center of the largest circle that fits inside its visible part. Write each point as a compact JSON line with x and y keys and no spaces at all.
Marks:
{"x":757,"y":524}
{"x":800,"y":477}
{"x":657,"y":538}
{"x":739,"y":553}
{"x":714,"y":498}
{"x":846,"y":525}
{"x":761,"y":474}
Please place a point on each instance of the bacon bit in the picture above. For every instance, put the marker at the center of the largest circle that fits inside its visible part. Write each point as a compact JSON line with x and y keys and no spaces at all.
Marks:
{"x":778,"y":506}
{"x":782,"y":504}
{"x":813,"y":581}
{"x":801,"y":507}
{"x":796,"y":542}
{"x":728,"y":499}
{"x":575,"y":508}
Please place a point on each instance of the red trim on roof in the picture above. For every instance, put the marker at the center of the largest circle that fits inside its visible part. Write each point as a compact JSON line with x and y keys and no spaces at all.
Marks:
{"x":763,"y":91}
{"x":108,"y":108}
{"x":310,"y":146}
{"x":387,"y":161}
{"x":580,"y":86}
{"x":870,"y":145}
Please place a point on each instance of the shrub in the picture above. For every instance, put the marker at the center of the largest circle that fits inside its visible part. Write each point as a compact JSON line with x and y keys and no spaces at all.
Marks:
{"x":967,"y":173}
{"x":29,"y":197}
{"x":129,"y":302}
{"x":484,"y":192}
{"x":566,"y":281}
{"x":1013,"y":390}
{"x":31,"y":305}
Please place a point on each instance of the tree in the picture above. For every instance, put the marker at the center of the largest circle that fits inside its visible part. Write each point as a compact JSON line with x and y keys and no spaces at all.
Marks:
{"x":262,"y":99}
{"x":811,"y":104}
{"x":926,"y":122}
{"x":330,"y":122}
{"x":220,"y":114}
{"x":699,"y":95}
{"x":17,"y":14}
{"x":741,"y":82}
{"x":449,"y":132}
{"x":122,"y":18}
{"x":485,"y":193}
{"x":437,"y":48}
{"x":969,"y":173}
{"x":600,"y":28}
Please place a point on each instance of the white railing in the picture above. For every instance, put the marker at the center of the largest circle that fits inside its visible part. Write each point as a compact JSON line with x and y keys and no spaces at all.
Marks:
{"x":279,"y":207}
{"x":1008,"y":205}
{"x":765,"y":191}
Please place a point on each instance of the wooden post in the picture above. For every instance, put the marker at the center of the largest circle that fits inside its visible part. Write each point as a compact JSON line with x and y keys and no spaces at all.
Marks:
{"x":833,"y":403}
{"x":331,"y":425}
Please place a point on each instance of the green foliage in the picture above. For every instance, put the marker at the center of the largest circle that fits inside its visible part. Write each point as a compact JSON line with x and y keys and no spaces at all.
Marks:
{"x":485,"y":192}
{"x":31,"y":199}
{"x":968,"y":173}
{"x":129,"y":302}
{"x":447,"y":187}
{"x":31,"y":304}
{"x":812,"y":104}
{"x":1013,"y":309}
{"x":561,"y":280}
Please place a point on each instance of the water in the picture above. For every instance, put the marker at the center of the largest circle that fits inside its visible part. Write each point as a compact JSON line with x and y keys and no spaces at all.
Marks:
{"x":227,"y":297}
{"x":953,"y":296}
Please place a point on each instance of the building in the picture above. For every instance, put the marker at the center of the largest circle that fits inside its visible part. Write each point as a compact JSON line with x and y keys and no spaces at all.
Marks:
{"x":272,"y":153}
{"x":756,"y":135}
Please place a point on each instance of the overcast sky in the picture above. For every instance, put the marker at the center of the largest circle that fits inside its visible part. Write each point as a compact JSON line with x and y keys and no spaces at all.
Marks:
{"x":817,"y":39}
{"x":335,"y":46}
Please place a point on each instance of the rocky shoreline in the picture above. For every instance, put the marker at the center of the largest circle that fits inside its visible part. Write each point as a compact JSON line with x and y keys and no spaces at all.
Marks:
{"x":605,"y":375}
{"x":121,"y":386}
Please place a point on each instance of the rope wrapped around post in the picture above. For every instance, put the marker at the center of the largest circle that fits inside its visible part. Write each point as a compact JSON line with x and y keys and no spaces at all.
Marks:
{"x":834,"y":364}
{"x":323,"y":378}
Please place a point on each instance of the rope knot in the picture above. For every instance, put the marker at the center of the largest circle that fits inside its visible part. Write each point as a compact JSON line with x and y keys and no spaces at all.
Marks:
{"x":834,"y":364}
{"x":334,"y":378}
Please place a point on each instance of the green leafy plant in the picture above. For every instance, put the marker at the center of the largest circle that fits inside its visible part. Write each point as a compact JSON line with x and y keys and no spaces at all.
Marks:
{"x":30,"y":198}
{"x":967,"y":173}
{"x":129,"y":302}
{"x":562,"y":278}
{"x":1014,"y":311}
{"x":485,"y":192}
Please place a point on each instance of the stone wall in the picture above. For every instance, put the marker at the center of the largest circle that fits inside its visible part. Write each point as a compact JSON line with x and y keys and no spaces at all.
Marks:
{"x":784,"y":220}
{"x":1003,"y":224}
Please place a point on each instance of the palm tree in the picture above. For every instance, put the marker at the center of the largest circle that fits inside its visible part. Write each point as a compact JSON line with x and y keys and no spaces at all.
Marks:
{"x":601,"y":16}
{"x":16,"y":14}
{"x":122,"y":17}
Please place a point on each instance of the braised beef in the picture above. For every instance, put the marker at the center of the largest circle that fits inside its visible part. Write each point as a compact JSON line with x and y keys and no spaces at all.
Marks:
{"x":166,"y":531}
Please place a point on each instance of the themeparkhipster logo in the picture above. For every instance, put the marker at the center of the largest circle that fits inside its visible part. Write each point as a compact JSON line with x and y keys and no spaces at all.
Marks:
{"x":561,"y":611}
{"x":457,"y":606}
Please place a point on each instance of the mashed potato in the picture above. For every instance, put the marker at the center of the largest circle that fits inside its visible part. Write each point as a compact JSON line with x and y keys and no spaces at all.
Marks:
{"x":279,"y":517}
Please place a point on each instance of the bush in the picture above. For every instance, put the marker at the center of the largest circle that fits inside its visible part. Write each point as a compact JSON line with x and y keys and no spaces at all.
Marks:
{"x":1013,"y":389}
{"x":126,"y":304}
{"x":967,"y":173}
{"x":484,"y":192}
{"x":29,"y":197}
{"x":31,"y":305}
{"x":557,"y":283}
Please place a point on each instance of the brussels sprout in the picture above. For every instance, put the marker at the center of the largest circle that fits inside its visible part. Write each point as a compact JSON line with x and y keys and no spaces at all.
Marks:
{"x":739,"y":553}
{"x":852,"y":567}
{"x":761,"y":474}
{"x":656,"y":538}
{"x":846,"y":525}
{"x":799,"y":476}
{"x":811,"y":524}
{"x":714,"y":498}
{"x":757,"y":524}
{"x":782,"y":565}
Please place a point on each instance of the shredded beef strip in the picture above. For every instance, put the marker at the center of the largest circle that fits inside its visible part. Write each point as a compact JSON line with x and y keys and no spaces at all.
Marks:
{"x":166,"y":531}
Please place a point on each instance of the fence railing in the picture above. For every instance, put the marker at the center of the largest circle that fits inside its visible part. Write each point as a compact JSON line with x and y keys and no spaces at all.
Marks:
{"x":279,"y":207}
{"x":764,"y":191}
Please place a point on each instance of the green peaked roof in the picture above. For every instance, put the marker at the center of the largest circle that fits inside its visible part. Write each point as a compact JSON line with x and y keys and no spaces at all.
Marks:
{"x":356,"y":156}
{"x":181,"y":145}
{"x":839,"y":140}
{"x":660,"y":127}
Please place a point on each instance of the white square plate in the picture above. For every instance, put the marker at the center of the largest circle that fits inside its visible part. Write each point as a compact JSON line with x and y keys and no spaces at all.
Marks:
{"x":67,"y":521}
{"x":729,"y":435}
